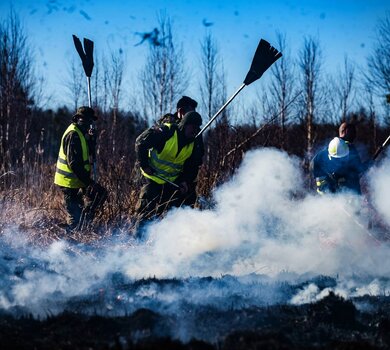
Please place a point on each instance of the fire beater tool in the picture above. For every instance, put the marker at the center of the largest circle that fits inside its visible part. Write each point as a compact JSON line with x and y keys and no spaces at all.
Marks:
{"x":265,"y":56}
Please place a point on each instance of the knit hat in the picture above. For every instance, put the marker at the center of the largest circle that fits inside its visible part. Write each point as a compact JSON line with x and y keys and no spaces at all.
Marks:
{"x":84,"y":112}
{"x":191,"y":118}
{"x":186,"y":101}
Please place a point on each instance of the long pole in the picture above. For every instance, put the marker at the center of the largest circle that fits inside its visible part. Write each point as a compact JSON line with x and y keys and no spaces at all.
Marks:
{"x":86,"y":55}
{"x":220,"y":110}
{"x":264,"y":57}
{"x":166,"y":180}
{"x":380,"y":149}
{"x":89,"y":92}
{"x":261,"y":128}
{"x":364,"y":229}
{"x":94,"y":165}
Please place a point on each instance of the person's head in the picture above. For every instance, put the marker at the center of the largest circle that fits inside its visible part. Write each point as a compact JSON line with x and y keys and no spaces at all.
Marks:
{"x":184,"y":105}
{"x":338,"y":150}
{"x":347,"y":132}
{"x":190,"y":124}
{"x":167,"y":118}
{"x":84,"y":116}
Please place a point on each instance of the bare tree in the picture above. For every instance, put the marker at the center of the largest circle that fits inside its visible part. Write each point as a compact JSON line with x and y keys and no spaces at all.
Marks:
{"x":368,"y":105}
{"x":75,"y":84}
{"x":341,"y":92}
{"x":282,"y":85}
{"x":212,"y":86}
{"x":17,"y":84}
{"x":379,"y":61}
{"x":116,"y":71}
{"x":346,"y":87}
{"x":164,"y":77}
{"x":105,"y":85}
{"x":310,"y":62}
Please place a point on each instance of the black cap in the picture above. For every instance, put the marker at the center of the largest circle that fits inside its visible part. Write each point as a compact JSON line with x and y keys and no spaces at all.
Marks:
{"x":191,"y":118}
{"x":84,"y":112}
{"x":186,"y":101}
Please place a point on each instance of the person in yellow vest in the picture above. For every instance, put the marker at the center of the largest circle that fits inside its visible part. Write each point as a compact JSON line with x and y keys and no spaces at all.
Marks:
{"x":82,"y":196}
{"x":184,"y":105}
{"x":168,"y":154}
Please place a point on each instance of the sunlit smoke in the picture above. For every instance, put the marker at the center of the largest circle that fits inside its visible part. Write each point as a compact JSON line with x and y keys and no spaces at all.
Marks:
{"x":260,"y":223}
{"x":264,"y":224}
{"x":380,"y":184}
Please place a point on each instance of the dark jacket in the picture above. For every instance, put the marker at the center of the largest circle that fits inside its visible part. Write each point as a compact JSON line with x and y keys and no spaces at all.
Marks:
{"x":156,"y":137}
{"x":355,"y":160}
{"x":337,"y":174}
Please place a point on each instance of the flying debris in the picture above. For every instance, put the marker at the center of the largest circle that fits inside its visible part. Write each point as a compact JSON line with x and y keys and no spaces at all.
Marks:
{"x":207,"y":24}
{"x":85,"y":15}
{"x":152,"y":37}
{"x":70,"y":9}
{"x":55,"y":6}
{"x":52,"y":6}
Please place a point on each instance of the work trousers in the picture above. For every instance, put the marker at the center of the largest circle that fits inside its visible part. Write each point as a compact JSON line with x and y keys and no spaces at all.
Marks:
{"x":155,"y":199}
{"x":82,"y":204}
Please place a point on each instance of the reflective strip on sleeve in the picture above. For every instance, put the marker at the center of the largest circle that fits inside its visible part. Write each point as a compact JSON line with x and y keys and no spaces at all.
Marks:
{"x":62,"y":161}
{"x":66,"y":173}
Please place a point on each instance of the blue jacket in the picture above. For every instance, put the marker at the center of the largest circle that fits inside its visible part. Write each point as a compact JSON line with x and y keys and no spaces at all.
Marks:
{"x":338,"y":174}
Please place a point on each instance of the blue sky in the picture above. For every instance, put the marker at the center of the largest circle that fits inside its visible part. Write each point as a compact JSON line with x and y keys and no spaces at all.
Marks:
{"x":343,"y":27}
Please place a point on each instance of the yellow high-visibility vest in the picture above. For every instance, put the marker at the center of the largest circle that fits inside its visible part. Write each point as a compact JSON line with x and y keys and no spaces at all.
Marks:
{"x":168,"y":163}
{"x":64,"y":175}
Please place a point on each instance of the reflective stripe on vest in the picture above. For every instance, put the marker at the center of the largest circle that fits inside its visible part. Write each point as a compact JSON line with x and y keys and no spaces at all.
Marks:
{"x":64,"y":175}
{"x":168,"y":163}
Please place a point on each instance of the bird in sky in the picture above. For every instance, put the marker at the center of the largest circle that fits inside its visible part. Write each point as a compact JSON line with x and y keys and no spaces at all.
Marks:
{"x":152,"y":37}
{"x":206,"y":23}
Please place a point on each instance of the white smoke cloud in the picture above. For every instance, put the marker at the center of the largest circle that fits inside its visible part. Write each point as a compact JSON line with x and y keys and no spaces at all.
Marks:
{"x":345,"y":289}
{"x":261,"y":223}
{"x":380,"y":186}
{"x":264,"y":222}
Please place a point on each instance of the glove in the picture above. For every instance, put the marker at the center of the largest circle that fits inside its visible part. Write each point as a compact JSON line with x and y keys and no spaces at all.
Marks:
{"x":90,"y":188}
{"x":148,"y":170}
{"x":95,"y":190}
{"x":183,"y":187}
{"x":94,"y":187}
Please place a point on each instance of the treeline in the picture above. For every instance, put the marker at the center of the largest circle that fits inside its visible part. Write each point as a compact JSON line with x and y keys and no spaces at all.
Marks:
{"x":300,"y":108}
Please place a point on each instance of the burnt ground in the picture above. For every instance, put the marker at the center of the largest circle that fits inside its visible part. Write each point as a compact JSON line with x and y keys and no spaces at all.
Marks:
{"x":331,"y":323}
{"x":120,"y":314}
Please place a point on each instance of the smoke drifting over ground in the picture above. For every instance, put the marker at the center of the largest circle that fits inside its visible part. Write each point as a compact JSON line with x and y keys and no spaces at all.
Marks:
{"x":266,"y":242}
{"x":380,"y":186}
{"x":259,"y":225}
